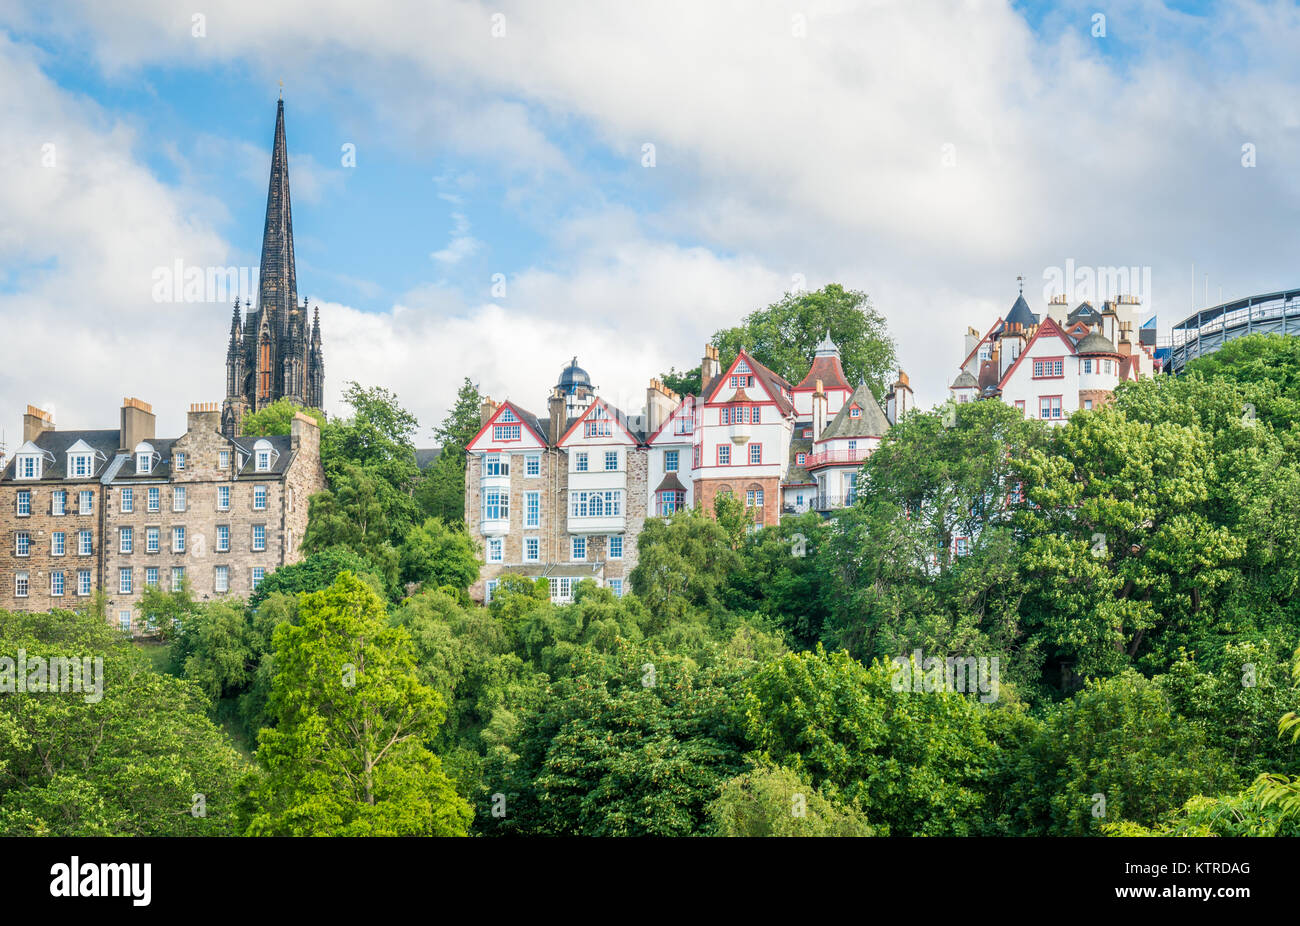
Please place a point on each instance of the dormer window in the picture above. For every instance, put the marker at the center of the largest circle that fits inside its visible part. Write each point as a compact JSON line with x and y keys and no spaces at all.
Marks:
{"x":263,"y":455}
{"x":144,"y":456}
{"x":81,"y":460}
{"x":29,"y":466}
{"x":855,"y":412}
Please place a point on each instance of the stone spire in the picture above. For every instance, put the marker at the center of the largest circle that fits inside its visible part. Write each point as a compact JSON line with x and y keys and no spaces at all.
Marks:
{"x":277,"y":291}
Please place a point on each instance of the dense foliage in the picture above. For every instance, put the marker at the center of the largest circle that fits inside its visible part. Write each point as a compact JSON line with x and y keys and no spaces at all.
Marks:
{"x":1016,"y":630}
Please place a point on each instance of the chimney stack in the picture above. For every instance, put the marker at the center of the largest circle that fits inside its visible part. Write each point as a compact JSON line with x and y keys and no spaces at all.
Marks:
{"x":202,"y":416}
{"x":659,"y":404}
{"x":710,"y":369}
{"x":555,"y":405}
{"x":137,"y":423}
{"x":487,"y":408}
{"x":304,"y":433}
{"x":819,"y":412}
{"x":36,"y":422}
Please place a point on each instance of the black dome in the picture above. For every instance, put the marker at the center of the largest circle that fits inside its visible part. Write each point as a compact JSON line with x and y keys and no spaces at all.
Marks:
{"x":573,"y":376}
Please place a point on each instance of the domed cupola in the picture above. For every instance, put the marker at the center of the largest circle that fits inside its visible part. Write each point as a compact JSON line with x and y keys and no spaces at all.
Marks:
{"x":576,"y":388}
{"x":572,"y":377}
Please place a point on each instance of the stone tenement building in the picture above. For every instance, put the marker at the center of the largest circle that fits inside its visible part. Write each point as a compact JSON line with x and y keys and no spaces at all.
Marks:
{"x":274,"y":353}
{"x":566,"y":496}
{"x":119,"y":510}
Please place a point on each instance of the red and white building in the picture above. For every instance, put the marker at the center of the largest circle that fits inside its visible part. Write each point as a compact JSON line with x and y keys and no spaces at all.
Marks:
{"x":1052,"y":366}
{"x":565,"y":497}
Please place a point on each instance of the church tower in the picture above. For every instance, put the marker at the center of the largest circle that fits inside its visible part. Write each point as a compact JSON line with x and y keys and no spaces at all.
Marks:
{"x":274,"y":353}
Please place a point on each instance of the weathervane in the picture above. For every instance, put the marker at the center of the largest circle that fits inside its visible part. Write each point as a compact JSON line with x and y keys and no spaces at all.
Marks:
{"x":1021,"y":281}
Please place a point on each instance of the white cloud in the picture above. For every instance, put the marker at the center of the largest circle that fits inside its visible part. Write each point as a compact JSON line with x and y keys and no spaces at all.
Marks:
{"x":820,"y":155}
{"x":462,"y":244}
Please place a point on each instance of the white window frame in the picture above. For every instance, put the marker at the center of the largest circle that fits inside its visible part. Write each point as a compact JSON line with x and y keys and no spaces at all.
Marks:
{"x":259,"y":536}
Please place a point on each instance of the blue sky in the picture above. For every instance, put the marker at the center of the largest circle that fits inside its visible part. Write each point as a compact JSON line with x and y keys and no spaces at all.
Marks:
{"x":779,"y":156}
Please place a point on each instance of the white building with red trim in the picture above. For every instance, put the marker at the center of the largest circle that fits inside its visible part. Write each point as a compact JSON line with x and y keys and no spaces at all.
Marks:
{"x":1064,"y":361}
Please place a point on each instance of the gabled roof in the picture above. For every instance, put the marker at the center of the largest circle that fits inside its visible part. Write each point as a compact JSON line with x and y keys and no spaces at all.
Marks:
{"x":634,"y":432}
{"x":530,"y":421}
{"x":685,"y":409}
{"x":1084,"y":312}
{"x":1048,"y":328}
{"x":775,"y":386}
{"x":871,"y":423}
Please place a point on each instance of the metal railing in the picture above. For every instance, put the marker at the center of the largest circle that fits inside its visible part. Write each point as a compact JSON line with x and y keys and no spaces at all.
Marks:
{"x":830,"y":457}
{"x":1209,"y":329}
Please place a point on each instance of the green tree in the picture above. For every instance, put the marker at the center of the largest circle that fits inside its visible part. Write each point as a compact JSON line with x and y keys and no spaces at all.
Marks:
{"x":134,"y":755}
{"x":276,"y":418}
{"x":918,"y":763}
{"x":784,"y":336}
{"x":441,"y":492}
{"x":348,"y":754}
{"x":1114,"y":752}
{"x":778,"y":802}
{"x":633,"y":743}
{"x":434,"y":555}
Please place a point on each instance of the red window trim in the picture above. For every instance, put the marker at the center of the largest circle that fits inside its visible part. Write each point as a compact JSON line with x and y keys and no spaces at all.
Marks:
{"x":1033,"y":360}
{"x":749,"y":455}
{"x":1060,"y":398}
{"x":718,"y":451}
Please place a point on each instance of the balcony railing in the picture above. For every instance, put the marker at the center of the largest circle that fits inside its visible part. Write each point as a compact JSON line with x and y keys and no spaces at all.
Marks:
{"x":831,"y":502}
{"x":837,"y":457}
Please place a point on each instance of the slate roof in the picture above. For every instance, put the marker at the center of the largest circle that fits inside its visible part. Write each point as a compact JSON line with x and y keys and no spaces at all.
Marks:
{"x":1020,"y":314}
{"x":1084,"y":312}
{"x":871,"y":423}
{"x":162,"y":467}
{"x":426,"y":457}
{"x":796,"y":474}
{"x":58,"y":442}
{"x":282,"y":443}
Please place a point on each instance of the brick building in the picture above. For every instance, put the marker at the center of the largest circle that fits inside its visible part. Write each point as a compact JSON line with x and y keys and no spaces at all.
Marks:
{"x":119,"y":510}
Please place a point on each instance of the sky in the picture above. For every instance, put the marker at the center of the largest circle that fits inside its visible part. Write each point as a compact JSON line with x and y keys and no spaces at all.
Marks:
{"x":488,"y":190}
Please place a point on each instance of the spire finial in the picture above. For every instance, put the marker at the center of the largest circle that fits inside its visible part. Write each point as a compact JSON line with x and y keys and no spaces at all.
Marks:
{"x":1021,"y":281}
{"x":282,"y":90}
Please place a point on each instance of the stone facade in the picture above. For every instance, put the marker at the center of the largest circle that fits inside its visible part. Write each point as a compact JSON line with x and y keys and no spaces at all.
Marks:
{"x":551,"y":531}
{"x":215,"y":512}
